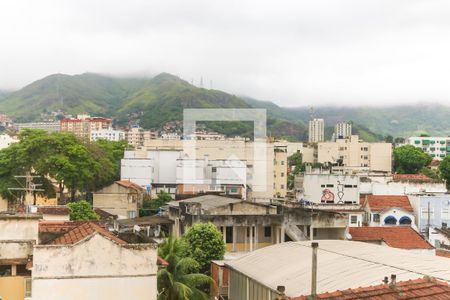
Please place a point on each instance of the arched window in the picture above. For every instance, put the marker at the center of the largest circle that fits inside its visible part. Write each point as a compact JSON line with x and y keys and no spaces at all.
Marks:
{"x":405,"y":220}
{"x":390,"y":220}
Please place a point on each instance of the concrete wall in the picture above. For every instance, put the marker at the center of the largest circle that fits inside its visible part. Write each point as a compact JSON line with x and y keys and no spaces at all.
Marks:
{"x":19,"y":228}
{"x":326,"y":187}
{"x":137,"y":170}
{"x":95,"y":268}
{"x":401,"y":188}
{"x":16,"y":249}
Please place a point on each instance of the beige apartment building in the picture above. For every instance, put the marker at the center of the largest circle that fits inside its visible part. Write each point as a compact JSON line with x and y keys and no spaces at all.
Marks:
{"x":355,"y":153}
{"x":259,"y":155}
{"x":280,"y":169}
{"x":136,"y":136}
{"x":83,"y":125}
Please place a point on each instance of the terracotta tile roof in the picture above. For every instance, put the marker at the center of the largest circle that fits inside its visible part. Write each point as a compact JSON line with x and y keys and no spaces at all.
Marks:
{"x":54,"y":210}
{"x":423,"y":288}
{"x":161,"y":262}
{"x":435,"y":163}
{"x":130,"y":185}
{"x":411,"y":177}
{"x":385,"y":202}
{"x":403,"y":237}
{"x":58,"y":226}
{"x":81,"y":232}
{"x":104,"y":214}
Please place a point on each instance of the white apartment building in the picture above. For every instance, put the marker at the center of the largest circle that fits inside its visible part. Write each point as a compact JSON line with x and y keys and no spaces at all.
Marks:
{"x":260,"y":158}
{"x":107,"y":134}
{"x":204,"y":175}
{"x":437,"y":147}
{"x":353,"y":152}
{"x":342,"y":130}
{"x":316,"y":131}
{"x":155,"y":170}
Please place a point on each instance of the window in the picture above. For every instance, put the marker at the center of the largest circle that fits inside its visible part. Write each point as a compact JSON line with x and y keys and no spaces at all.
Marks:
{"x":229,"y":232}
{"x":376,"y":217}
{"x":233,"y":190}
{"x":282,"y":162}
{"x":424,"y":213}
{"x":348,"y":186}
{"x":353,"y":219}
{"x":330,"y":185}
{"x":282,"y":174}
{"x":267,"y":231}
{"x":282,"y":186}
{"x":131,"y":214}
{"x":445,"y":214}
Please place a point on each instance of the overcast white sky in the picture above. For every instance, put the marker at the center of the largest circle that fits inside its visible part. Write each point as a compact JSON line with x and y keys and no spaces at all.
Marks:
{"x":292,"y":52}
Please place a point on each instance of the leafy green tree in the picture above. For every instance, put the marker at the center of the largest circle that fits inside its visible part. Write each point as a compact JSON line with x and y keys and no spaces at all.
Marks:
{"x":444,"y":169}
{"x":75,"y":164}
{"x":295,"y":160}
{"x":181,"y":279}
{"x":389,"y":139}
{"x":410,"y":160}
{"x":204,"y":243}
{"x":82,"y":211}
{"x":152,"y":206}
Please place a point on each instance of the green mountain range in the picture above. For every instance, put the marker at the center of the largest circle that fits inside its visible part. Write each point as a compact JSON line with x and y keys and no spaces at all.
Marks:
{"x":161,"y":99}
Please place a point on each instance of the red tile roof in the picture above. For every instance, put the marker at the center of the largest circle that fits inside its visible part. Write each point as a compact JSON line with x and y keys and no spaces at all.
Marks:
{"x":130,"y":185}
{"x":162,"y":262}
{"x":403,"y":237}
{"x":83,"y":231}
{"x":385,"y":202}
{"x":411,"y":177}
{"x":424,"y":288}
{"x":435,"y":163}
{"x":58,"y":226}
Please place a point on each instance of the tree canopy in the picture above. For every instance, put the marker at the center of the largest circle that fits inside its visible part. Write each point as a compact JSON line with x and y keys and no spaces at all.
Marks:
{"x":181,"y":279}
{"x":444,"y":169}
{"x":82,"y":211}
{"x":204,"y":243}
{"x":74,"y":164}
{"x":410,"y":160}
{"x":152,"y":206}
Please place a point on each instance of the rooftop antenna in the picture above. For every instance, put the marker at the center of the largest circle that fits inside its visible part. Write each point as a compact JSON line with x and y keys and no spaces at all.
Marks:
{"x":311,"y":113}
{"x":58,"y":90}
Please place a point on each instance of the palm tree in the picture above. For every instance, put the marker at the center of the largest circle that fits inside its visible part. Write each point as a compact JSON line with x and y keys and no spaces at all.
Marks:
{"x":180,"y":280}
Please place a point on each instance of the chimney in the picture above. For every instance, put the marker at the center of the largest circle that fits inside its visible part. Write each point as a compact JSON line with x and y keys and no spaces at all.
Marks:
{"x":280,"y":292}
{"x":393,"y":280}
{"x":314,"y":247}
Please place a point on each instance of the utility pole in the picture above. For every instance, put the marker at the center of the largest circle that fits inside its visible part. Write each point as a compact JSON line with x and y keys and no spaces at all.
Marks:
{"x":29,"y":188}
{"x":428,"y":222}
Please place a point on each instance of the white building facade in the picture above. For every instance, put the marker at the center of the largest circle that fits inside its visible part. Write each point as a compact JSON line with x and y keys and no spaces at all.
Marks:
{"x":316,"y":131}
{"x":437,"y":147}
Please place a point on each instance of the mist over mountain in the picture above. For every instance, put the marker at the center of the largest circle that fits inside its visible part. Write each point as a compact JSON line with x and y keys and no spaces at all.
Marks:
{"x":152,"y":102}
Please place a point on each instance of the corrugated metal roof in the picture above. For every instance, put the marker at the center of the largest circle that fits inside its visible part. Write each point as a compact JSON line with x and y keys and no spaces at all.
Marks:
{"x":341,"y":265}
